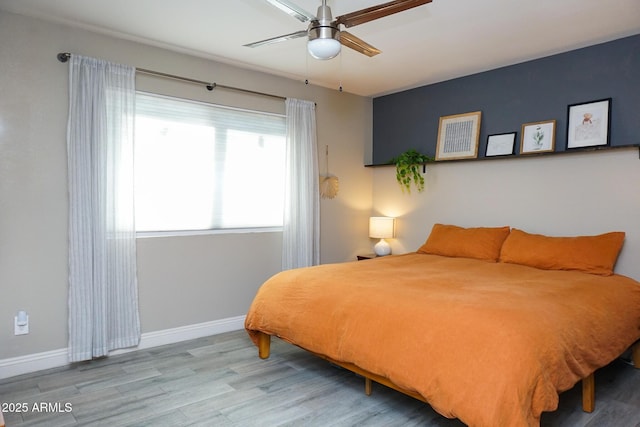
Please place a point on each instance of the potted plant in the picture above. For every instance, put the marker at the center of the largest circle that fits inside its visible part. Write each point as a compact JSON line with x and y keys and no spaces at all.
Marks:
{"x":408,"y":166}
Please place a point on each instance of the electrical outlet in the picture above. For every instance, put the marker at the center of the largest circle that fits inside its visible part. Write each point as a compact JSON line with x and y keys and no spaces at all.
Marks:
{"x":21,"y":323}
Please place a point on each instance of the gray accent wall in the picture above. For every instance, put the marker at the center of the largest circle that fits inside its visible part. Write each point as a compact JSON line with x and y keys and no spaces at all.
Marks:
{"x":527,"y":92}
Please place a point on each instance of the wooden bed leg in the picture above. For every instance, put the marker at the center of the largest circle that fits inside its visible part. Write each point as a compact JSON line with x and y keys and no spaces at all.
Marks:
{"x":368,"y":386}
{"x":588,"y":393}
{"x":635,"y":355}
{"x":264,"y":345}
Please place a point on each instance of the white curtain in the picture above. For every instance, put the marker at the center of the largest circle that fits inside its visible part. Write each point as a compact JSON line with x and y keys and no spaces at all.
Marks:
{"x":301,"y":232}
{"x":103,"y":295}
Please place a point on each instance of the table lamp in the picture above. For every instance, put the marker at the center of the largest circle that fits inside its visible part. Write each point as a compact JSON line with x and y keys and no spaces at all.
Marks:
{"x":382,"y":227}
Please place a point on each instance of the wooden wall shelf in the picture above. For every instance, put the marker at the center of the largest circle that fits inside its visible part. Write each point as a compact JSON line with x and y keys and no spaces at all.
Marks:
{"x":528,"y":156}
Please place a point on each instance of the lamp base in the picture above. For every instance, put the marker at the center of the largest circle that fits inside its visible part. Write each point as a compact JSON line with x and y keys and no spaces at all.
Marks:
{"x":382,"y":248}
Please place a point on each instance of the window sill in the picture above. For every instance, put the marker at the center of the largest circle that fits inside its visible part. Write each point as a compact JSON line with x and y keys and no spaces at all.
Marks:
{"x":182,"y":233}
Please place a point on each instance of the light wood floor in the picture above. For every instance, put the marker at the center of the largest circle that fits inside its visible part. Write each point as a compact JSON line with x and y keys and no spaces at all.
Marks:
{"x":220,"y":381}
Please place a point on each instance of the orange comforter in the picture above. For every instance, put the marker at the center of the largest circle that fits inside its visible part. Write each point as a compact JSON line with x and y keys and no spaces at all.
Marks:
{"x":489,"y":343}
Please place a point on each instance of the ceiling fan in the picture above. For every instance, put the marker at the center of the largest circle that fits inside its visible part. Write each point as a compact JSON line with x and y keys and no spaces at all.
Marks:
{"x":325,"y":36}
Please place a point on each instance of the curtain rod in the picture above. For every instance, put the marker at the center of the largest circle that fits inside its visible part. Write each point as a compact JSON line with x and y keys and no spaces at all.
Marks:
{"x":64,"y":57}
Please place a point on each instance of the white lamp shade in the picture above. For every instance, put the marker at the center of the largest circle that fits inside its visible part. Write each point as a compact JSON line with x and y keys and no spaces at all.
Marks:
{"x":382,"y":227}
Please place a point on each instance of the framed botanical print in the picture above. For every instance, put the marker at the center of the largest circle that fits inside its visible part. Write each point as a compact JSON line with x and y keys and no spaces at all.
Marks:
{"x":538,"y":137}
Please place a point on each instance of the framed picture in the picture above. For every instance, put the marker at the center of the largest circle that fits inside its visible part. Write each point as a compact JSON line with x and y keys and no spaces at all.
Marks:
{"x":458,"y":136}
{"x":588,"y":124}
{"x":501,"y":144}
{"x":538,"y":137}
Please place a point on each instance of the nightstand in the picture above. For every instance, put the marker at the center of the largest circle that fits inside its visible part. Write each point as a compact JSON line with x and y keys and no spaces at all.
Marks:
{"x":366,"y":256}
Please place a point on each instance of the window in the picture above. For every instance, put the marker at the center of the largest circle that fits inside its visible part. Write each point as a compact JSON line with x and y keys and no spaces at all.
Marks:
{"x":204,"y":167}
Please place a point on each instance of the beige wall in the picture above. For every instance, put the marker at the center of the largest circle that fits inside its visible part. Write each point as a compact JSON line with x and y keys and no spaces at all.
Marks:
{"x":564,"y":194}
{"x":182,"y":280}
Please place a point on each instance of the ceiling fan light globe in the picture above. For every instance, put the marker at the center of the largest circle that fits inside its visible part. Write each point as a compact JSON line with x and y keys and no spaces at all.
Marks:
{"x":323,"y":48}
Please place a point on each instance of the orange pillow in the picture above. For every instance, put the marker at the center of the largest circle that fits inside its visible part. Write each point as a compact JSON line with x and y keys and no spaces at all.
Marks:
{"x":590,"y":254}
{"x":480,"y":243}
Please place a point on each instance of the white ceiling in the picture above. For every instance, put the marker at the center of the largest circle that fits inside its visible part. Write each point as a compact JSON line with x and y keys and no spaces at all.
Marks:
{"x":430,"y":43}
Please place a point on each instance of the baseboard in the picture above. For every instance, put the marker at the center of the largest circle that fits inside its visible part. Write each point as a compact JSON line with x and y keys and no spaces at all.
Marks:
{"x":57,"y":358}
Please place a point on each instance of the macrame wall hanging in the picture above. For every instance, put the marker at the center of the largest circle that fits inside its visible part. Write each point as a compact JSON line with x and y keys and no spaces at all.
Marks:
{"x":328,"y":183}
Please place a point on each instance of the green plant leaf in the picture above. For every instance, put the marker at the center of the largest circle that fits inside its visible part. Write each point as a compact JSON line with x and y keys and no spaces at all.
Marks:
{"x":408,"y":169}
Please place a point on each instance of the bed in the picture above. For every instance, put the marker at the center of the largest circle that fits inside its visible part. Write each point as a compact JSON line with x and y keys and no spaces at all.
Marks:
{"x":487,"y":324}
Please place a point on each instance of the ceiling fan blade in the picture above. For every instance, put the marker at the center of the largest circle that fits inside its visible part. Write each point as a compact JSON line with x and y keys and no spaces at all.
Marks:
{"x":357,"y":44}
{"x":379,"y":11}
{"x":292,"y":10}
{"x":302,"y":33}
